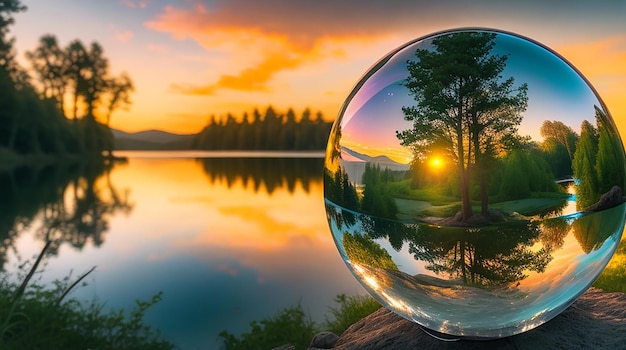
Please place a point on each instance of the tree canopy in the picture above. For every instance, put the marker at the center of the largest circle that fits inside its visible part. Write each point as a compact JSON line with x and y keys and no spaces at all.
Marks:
{"x":463,"y":103}
{"x":69,"y":82}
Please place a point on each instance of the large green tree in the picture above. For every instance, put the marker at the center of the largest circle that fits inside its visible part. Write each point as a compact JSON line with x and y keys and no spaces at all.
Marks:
{"x":464,"y":103}
{"x":610,"y":160}
{"x":561,"y":134}
{"x":584,"y":166}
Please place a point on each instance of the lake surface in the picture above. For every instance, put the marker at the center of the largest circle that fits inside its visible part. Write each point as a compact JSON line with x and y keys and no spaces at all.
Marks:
{"x":228,"y":238}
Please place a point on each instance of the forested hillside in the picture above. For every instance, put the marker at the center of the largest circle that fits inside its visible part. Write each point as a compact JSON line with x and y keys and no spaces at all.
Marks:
{"x":270,"y":131}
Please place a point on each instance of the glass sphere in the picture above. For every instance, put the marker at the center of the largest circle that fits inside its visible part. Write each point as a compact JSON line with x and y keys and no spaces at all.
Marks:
{"x":473,"y":183}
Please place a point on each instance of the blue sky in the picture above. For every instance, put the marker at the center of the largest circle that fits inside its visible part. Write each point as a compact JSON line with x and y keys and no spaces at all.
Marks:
{"x":556,"y":91}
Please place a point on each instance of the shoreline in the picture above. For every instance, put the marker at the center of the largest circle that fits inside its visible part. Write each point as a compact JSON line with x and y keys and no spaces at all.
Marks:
{"x":10,"y":160}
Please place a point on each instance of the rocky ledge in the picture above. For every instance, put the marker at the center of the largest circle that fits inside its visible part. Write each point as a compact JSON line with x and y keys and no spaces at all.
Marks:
{"x":597,"y":320}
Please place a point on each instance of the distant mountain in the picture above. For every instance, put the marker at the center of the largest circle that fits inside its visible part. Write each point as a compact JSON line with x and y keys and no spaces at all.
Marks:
{"x":354,"y":164}
{"x":151,"y":140}
{"x":353,"y":156}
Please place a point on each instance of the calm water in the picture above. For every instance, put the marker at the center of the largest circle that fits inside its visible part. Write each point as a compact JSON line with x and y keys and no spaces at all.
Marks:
{"x":227,"y":240}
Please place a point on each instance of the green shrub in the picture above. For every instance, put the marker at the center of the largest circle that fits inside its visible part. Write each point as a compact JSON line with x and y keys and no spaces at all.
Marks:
{"x":35,"y":316}
{"x":289,"y":326}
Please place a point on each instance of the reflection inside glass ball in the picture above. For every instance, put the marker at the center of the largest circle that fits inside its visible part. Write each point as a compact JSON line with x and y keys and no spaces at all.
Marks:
{"x":473,"y":183}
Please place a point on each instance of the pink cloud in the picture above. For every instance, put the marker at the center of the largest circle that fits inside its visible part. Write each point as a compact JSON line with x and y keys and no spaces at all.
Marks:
{"x":135,"y":4}
{"x":158,"y":48}
{"x":123,"y":36}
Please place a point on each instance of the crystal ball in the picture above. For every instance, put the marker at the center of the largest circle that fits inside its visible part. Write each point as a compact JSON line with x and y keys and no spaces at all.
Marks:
{"x":473,"y":183}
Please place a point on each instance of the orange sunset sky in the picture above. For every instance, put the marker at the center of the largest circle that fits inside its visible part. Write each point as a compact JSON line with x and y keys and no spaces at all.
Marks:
{"x":193,"y":58}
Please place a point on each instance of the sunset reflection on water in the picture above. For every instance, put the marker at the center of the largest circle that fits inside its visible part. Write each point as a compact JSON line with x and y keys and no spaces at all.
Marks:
{"x":226,"y":247}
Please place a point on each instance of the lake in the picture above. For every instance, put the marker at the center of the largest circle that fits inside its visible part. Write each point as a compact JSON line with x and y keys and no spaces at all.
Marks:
{"x":228,"y":237}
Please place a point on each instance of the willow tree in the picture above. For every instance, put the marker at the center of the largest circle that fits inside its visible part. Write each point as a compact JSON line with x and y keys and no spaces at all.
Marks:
{"x":464,"y":103}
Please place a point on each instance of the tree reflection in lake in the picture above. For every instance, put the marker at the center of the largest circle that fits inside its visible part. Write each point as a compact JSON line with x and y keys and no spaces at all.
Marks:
{"x":502,"y":270}
{"x":70,"y":203}
{"x":273,"y":173}
{"x":224,"y":250}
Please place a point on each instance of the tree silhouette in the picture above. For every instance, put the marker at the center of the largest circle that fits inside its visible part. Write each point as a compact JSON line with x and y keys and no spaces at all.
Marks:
{"x":76,"y":55}
{"x":7,"y":56}
{"x":32,"y":116}
{"x":463,"y":103}
{"x":118,"y":90}
{"x":50,"y":65}
{"x":64,"y":204}
{"x":271,"y":173}
{"x":271,"y":131}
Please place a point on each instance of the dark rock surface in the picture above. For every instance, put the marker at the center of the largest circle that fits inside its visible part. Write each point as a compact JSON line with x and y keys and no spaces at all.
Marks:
{"x":612,"y":198}
{"x":597,"y":320}
{"x":324,"y":340}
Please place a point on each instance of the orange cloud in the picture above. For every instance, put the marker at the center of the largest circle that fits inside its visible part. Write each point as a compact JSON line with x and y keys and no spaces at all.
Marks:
{"x":598,"y":59}
{"x":257,"y":36}
{"x":250,"y":79}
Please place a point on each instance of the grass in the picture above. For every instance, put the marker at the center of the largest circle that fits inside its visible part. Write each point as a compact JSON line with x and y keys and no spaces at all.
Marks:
{"x":291,"y":326}
{"x":34,"y":316}
{"x":351,"y":309}
{"x":531,"y":206}
{"x":414,"y":203}
{"x":613,"y":278}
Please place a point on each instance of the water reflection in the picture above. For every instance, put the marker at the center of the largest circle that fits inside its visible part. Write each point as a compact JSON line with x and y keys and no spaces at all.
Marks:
{"x":223,"y":250}
{"x":67,"y":204}
{"x":272,"y":173}
{"x":433,"y":273}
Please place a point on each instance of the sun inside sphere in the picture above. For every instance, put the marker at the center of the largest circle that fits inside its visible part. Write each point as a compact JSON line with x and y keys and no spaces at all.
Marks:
{"x":473,"y":183}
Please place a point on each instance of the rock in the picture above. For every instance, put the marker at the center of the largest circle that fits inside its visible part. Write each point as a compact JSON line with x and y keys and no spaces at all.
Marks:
{"x":608,"y":200}
{"x":597,"y":320}
{"x":285,"y":347}
{"x":324,"y":340}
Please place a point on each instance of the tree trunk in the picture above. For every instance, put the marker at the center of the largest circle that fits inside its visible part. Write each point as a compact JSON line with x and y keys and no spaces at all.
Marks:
{"x":463,"y":263}
{"x":466,"y":205}
{"x":13,"y":136}
{"x":484,"y":196}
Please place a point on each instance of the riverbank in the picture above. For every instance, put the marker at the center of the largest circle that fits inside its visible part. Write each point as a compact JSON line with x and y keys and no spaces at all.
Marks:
{"x":10,"y":160}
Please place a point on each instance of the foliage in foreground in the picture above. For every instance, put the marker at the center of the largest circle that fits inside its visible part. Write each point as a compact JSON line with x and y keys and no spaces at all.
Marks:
{"x":40,"y":317}
{"x":291,"y":326}
{"x":351,"y":309}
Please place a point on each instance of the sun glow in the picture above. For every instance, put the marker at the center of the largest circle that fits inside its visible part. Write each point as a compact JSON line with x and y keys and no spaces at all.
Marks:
{"x":436,"y":163}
